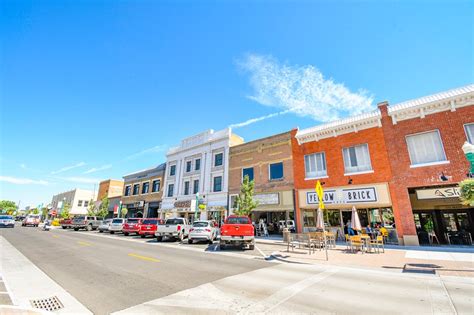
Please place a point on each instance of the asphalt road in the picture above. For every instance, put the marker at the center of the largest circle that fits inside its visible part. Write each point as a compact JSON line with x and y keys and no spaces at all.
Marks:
{"x":107,"y":273}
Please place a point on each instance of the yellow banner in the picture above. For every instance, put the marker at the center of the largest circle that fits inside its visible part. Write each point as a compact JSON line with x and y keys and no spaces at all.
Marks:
{"x":320,"y":193}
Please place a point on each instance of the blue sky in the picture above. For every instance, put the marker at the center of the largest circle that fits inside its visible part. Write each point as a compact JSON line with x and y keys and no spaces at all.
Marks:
{"x":97,"y":89}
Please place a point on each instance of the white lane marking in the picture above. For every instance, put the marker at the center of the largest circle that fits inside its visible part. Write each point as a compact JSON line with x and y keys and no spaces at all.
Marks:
{"x":261,"y":252}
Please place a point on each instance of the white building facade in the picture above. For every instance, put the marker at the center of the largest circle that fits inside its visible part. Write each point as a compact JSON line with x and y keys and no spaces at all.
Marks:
{"x":78,"y":199}
{"x":197,"y":172}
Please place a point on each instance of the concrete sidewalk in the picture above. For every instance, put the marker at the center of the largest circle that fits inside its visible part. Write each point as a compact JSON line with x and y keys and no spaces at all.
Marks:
{"x":26,"y":282}
{"x":399,"y":259}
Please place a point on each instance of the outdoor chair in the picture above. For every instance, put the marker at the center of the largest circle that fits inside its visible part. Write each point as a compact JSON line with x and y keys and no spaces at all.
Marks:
{"x":357,"y":243}
{"x":331,"y":239}
{"x":348,"y":242}
{"x":432,"y":236}
{"x":378,"y":244}
{"x":448,"y":239}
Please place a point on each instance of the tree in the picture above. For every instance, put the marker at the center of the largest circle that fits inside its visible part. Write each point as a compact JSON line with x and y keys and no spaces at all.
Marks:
{"x":66,"y":211}
{"x":35,"y":211}
{"x":7,"y":206}
{"x":103,"y":208}
{"x":467,"y":192}
{"x":244,"y":201}
{"x":91,"y":210}
{"x":44,"y":212}
{"x":123,"y":212}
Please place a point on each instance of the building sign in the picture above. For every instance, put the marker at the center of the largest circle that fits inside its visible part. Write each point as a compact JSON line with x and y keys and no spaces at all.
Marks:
{"x":267,"y":199}
{"x":344,"y":196}
{"x":329,"y":197}
{"x":438,"y":193}
{"x":359,"y":195}
{"x":183,"y":204}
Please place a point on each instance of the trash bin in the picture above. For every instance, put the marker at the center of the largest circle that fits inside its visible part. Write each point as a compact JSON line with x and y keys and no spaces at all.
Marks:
{"x":286,"y":235}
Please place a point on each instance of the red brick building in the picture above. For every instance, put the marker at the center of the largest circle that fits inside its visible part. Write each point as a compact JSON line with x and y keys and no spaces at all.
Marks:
{"x":399,"y":164}
{"x":349,"y":158}
{"x":424,"y":139}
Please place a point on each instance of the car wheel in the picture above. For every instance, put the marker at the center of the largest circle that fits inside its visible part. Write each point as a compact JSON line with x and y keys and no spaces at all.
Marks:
{"x":64,"y":227}
{"x":112,"y":232}
{"x":125,"y":233}
{"x":252,"y":246}
{"x":76,"y":229}
{"x":89,"y":227}
{"x":190,"y":241}
{"x":100,"y":231}
{"x":159,"y":238}
{"x":142,"y":236}
{"x":211,"y":241}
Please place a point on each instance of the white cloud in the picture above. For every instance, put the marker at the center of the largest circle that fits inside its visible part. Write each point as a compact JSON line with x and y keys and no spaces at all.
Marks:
{"x":81,"y":180}
{"x":97,"y":169}
{"x":302,"y":90}
{"x":155,"y":149}
{"x":67,"y":168}
{"x":254,"y":120}
{"x":22,"y":181}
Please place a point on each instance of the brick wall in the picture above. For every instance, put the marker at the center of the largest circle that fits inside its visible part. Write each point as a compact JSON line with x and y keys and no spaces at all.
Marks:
{"x":259,"y":154}
{"x":451,"y":127}
{"x":149,"y":197}
{"x":333,"y":147}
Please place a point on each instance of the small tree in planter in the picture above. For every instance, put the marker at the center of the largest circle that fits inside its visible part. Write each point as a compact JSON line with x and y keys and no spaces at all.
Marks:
{"x":123,"y":212}
{"x":244,"y":201}
{"x":467,"y":192}
{"x":65,"y":212}
{"x":103,"y":208}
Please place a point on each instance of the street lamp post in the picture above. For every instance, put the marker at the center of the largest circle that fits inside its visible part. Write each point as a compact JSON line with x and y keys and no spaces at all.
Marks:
{"x":196,"y":207}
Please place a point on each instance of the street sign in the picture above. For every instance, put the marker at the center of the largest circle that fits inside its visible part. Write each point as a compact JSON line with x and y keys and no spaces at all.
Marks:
{"x":320,"y":192}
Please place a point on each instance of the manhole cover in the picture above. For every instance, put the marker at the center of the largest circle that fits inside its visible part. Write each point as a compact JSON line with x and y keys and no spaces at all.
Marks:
{"x":49,"y":304}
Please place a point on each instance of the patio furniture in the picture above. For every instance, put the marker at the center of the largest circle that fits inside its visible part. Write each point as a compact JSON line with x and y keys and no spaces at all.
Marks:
{"x":432,"y":236}
{"x":366,"y":239}
{"x":331,"y":239}
{"x":378,"y":244}
{"x":300,"y":240}
{"x":448,"y":238}
{"x":348,"y":241}
{"x":356,"y":243}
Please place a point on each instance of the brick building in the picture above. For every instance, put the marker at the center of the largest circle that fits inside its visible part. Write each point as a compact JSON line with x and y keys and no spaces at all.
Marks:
{"x":349,"y":158}
{"x":269,"y":163}
{"x":143,"y":191}
{"x":424,"y":139}
{"x":110,"y":188}
{"x":400,"y":164}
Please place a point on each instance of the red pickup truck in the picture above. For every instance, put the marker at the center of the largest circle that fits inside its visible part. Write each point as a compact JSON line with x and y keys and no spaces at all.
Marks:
{"x":132,"y":226}
{"x":237,"y":230}
{"x":66,"y":223}
{"x":149,"y":226}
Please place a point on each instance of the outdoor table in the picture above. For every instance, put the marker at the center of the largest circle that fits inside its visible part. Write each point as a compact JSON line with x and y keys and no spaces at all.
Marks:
{"x":366,"y":239}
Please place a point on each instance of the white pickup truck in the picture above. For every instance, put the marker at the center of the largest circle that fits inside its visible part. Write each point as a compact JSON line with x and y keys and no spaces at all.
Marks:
{"x":176,"y":228}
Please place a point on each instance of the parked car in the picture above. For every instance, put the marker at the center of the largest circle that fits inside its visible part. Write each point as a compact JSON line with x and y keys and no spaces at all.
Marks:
{"x":32,"y":220}
{"x":66,"y":223}
{"x":149,"y":226}
{"x":7,"y":221}
{"x":104,"y":225}
{"x":86,"y":222}
{"x":203,"y":231}
{"x":20,"y":218}
{"x":289,"y":224}
{"x":238,"y":231}
{"x":176,"y":228}
{"x":132,"y":225}
{"x":116,"y":225}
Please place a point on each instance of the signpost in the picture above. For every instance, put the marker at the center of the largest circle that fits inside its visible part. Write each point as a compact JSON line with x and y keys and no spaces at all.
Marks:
{"x":319,"y":191}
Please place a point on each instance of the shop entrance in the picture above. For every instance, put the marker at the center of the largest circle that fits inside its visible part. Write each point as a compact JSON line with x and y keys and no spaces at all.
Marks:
{"x":453,"y":227}
{"x":272,"y":219}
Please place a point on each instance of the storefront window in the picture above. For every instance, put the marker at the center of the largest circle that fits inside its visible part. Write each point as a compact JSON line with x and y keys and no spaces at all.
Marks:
{"x":308,"y":218}
{"x":450,"y":222}
{"x":332,"y":217}
{"x":363,"y":217}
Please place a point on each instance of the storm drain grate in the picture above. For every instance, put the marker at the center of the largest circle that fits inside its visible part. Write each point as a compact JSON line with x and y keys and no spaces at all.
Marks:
{"x":49,"y":304}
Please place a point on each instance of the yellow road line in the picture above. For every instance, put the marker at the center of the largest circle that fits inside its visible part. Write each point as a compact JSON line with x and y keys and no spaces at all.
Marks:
{"x":84,"y":244}
{"x":55,"y":236}
{"x":143,"y":257}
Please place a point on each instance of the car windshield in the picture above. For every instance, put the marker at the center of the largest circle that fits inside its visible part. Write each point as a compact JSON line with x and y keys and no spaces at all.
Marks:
{"x":200,"y":224}
{"x":79,"y":218}
{"x":238,"y":220}
{"x":34,"y":216}
{"x":6,"y":217}
{"x":174,"y":221}
{"x":106,"y":221}
{"x":117,"y":221}
{"x":132,"y":220}
{"x":150,"y":221}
